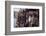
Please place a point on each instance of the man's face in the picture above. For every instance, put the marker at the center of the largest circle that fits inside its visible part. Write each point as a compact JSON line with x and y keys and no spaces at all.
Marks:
{"x":32,"y":17}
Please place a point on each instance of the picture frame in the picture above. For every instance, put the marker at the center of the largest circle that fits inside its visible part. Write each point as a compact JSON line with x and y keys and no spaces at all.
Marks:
{"x":12,"y":8}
